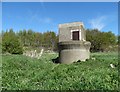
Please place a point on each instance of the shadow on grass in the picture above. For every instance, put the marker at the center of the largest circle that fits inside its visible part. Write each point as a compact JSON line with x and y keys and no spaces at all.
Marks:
{"x":55,"y":60}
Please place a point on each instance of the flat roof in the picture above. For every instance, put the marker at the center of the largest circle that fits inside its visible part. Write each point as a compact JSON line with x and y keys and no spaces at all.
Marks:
{"x":71,"y":24}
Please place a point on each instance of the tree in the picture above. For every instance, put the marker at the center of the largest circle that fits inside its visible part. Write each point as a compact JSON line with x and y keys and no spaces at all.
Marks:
{"x":118,"y":40}
{"x":37,"y":39}
{"x":94,"y":36}
{"x":10,"y":43}
{"x":49,"y":39}
{"x":56,"y":43}
{"x":100,"y":41}
{"x":108,"y":40}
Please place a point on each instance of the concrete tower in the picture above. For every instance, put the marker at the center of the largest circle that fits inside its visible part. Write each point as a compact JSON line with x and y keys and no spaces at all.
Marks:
{"x":72,"y":43}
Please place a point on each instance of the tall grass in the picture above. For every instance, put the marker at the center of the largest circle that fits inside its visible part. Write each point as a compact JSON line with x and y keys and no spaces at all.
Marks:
{"x":21,"y":72}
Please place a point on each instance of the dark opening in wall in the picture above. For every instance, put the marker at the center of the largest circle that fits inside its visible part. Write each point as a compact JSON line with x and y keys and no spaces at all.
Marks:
{"x":75,"y":35}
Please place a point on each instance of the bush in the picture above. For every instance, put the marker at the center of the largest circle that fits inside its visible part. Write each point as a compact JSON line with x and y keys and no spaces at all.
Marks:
{"x":11,"y":44}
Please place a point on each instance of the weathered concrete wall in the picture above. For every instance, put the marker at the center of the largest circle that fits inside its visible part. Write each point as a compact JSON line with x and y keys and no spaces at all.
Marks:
{"x":64,"y":35}
{"x":65,"y":31}
{"x":73,"y":51}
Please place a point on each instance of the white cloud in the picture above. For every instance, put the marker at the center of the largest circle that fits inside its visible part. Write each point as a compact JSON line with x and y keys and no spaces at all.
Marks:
{"x":47,"y":20}
{"x":98,"y":23}
{"x":40,"y":19}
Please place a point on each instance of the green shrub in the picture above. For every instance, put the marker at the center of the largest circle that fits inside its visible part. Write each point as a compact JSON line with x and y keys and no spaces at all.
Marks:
{"x":11,"y":44}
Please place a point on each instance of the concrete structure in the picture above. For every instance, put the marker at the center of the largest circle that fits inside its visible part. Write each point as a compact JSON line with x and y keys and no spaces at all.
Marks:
{"x":72,"y":43}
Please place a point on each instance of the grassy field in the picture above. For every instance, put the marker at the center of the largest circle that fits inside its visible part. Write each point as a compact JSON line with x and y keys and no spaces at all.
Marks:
{"x":21,"y":72}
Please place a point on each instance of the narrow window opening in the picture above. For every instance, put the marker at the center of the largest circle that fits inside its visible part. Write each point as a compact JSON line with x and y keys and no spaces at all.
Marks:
{"x":75,"y":35}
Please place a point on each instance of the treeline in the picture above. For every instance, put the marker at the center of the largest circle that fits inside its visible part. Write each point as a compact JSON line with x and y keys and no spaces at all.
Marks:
{"x":47,"y":39}
{"x":102,"y":41}
{"x":15,"y":42}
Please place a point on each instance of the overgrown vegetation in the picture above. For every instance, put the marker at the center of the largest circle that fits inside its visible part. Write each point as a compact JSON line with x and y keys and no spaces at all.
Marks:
{"x":102,"y":41}
{"x":11,"y":43}
{"x":29,"y":39}
{"x":15,"y":42}
{"x":21,"y":72}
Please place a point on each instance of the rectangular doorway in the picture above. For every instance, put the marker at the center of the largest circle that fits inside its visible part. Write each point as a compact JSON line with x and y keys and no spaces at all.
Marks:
{"x":75,"y":35}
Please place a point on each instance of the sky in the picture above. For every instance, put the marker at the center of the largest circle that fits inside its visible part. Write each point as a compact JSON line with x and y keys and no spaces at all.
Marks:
{"x":46,"y":16}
